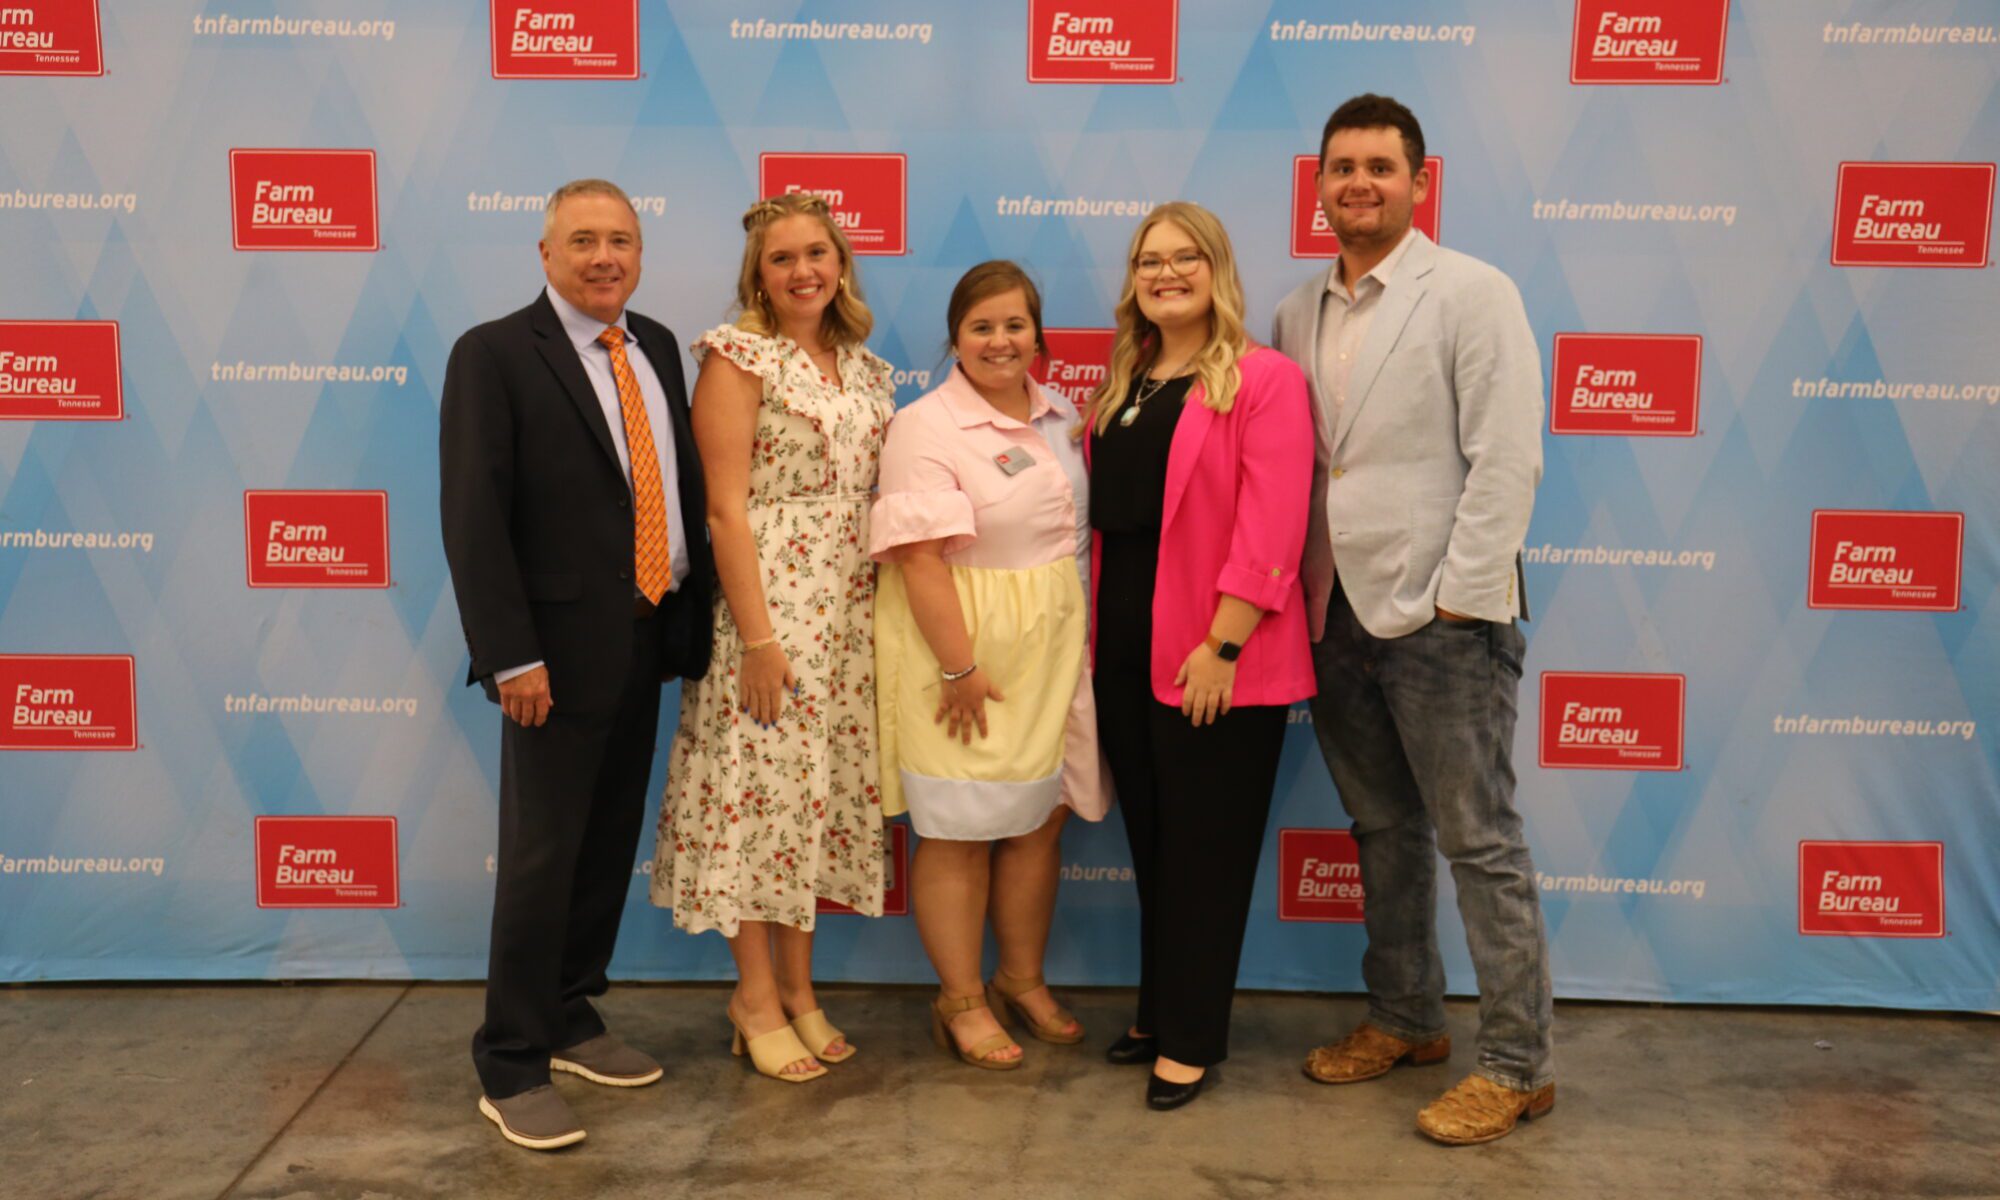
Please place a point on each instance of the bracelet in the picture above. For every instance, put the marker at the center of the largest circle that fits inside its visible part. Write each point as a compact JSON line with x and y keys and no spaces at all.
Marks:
{"x":760,"y":644}
{"x":955,"y":676}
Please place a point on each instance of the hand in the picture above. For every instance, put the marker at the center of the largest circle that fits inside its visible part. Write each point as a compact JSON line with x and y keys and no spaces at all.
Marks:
{"x":1456,"y":618}
{"x":525,"y":698}
{"x":763,"y":681}
{"x":1206,"y":683}
{"x":964,"y":702}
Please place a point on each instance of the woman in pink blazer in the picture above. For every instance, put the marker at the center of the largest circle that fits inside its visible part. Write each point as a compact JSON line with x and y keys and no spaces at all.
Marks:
{"x":1201,"y":457}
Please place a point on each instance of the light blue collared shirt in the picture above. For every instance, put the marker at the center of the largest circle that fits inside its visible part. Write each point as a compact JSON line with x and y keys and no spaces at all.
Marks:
{"x":583,"y":330}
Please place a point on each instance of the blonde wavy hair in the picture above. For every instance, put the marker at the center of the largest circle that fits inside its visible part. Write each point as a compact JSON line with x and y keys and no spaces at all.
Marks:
{"x":1136,"y":346}
{"x":847,"y":320}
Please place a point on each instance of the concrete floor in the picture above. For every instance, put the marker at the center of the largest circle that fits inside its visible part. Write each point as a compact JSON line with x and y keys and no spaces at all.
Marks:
{"x":366,"y":1091}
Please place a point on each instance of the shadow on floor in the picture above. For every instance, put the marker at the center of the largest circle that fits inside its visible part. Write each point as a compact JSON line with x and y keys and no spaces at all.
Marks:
{"x":355,"y":1091}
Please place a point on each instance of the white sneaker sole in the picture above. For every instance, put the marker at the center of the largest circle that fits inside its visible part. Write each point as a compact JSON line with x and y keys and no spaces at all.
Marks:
{"x":577,"y":1068}
{"x":487,"y":1110}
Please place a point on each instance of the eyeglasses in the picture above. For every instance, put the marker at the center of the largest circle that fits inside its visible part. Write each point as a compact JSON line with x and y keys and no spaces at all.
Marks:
{"x":1185,"y":263}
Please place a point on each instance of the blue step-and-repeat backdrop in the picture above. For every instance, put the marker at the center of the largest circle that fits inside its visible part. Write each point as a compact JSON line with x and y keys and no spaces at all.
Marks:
{"x":237,"y":239}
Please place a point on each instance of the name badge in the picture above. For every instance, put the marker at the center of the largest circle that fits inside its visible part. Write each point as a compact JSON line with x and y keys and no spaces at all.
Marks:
{"x":1013,"y":460}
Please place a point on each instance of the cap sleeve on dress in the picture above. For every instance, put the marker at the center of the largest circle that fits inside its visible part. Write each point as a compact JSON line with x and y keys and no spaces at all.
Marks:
{"x":880,"y":377}
{"x":758,"y":355}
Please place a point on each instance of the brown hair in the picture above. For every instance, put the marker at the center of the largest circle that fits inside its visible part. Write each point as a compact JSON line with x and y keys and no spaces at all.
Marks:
{"x":994,"y":277}
{"x":846,"y":320}
{"x":1370,"y":111}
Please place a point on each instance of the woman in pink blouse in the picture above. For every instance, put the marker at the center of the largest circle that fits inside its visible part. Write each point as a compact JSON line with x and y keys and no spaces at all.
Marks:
{"x":985,"y":709}
{"x":1201,"y":457}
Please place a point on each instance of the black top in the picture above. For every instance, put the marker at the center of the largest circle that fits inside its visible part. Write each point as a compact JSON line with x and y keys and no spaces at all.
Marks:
{"x":1128,"y":463}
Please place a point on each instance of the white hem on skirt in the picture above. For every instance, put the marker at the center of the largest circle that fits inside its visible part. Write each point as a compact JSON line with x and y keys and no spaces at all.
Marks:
{"x":979,"y":810}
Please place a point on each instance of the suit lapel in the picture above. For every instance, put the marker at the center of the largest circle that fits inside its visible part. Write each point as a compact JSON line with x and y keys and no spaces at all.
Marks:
{"x":1311,"y":349}
{"x":553,"y":344}
{"x":1190,"y":432}
{"x":1399,"y":300}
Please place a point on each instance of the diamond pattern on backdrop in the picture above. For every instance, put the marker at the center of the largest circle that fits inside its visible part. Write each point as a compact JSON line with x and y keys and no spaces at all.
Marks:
{"x":1759,"y":288}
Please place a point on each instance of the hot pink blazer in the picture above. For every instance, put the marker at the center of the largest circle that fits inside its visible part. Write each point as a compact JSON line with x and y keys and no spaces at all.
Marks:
{"x":1234,"y":521}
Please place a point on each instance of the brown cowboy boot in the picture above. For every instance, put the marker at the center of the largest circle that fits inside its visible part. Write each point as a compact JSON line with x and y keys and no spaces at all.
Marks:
{"x":1479,"y":1110}
{"x":1367,"y":1053}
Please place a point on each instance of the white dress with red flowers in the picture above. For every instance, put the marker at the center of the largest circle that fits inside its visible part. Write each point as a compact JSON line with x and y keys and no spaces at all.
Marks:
{"x":759,"y":824}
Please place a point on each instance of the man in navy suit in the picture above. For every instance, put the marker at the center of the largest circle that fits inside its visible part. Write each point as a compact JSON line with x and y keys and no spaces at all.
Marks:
{"x":572,"y":510}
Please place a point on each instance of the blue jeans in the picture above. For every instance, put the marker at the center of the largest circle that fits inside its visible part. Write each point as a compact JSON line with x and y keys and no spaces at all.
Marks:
{"x":1417,"y":732}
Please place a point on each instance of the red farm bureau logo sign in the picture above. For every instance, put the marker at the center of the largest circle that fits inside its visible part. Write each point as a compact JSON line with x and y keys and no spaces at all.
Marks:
{"x":1319,"y":876}
{"x":565,"y":39}
{"x":1871,"y":889}
{"x":1613,"y":722}
{"x":1103,"y":41}
{"x":1075,"y":364}
{"x":1313,"y":237}
{"x":867,"y":193}
{"x":896,"y":877}
{"x":1912,"y":214}
{"x":1648,"y":41}
{"x":1629,"y":384}
{"x":69,"y":702}
{"x":50,"y":37}
{"x":60,"y":371}
{"x":1909,"y":561}
{"x":304,"y":200}
{"x":327,"y":862}
{"x":316,"y":539}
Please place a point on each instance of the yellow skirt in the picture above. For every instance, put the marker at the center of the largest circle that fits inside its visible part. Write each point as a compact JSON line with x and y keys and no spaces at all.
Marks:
{"x":1028,"y":634}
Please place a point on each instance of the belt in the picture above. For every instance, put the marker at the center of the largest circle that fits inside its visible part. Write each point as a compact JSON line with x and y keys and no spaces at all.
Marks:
{"x":814,"y":498}
{"x":642,"y":607}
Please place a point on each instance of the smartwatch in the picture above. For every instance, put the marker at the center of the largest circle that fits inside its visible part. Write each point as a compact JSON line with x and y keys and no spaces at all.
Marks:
{"x":1226,"y":651}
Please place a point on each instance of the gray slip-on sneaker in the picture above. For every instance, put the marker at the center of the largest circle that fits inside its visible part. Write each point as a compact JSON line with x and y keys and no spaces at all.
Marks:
{"x":606,"y":1060}
{"x":538,"y":1118}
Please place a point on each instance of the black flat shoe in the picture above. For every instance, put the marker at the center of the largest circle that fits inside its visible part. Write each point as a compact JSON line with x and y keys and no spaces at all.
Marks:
{"x":1128,"y":1050}
{"x":1162,"y":1095}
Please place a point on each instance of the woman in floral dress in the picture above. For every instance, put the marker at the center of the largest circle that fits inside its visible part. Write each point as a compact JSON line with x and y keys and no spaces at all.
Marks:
{"x":772,"y":801}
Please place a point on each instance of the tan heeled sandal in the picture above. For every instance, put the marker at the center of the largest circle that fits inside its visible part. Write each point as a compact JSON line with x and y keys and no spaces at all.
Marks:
{"x":772,"y":1052}
{"x":818,"y":1033}
{"x":946,"y":1007}
{"x":1004,"y":992}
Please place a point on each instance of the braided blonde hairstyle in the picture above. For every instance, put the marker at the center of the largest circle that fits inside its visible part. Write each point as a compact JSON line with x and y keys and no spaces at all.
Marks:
{"x":846,"y":320}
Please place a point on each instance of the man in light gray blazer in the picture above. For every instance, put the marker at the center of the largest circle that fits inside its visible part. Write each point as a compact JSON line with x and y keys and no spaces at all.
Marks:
{"x":1427,"y":397}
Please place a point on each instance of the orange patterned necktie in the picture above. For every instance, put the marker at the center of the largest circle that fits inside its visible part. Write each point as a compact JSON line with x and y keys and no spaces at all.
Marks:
{"x":652,"y":559}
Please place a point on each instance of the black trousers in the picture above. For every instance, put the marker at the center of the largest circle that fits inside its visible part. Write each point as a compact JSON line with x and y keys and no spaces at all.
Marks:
{"x":1195,"y":803}
{"x":572,"y":800}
